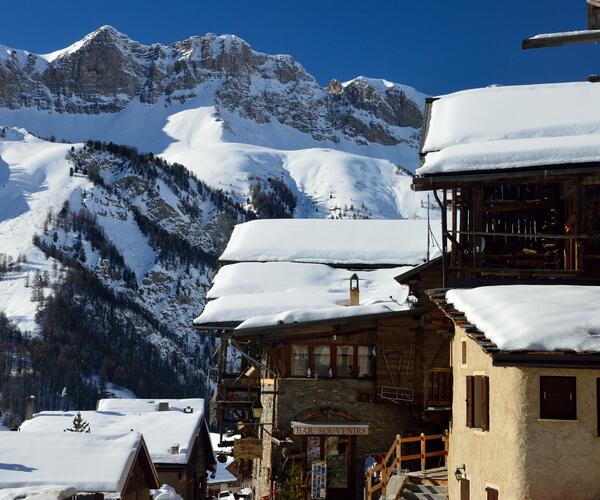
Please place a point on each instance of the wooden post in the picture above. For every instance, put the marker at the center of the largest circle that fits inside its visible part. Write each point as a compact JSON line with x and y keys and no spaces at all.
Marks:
{"x":384,"y":479}
{"x":423,"y":451}
{"x":446,"y":446}
{"x":399,"y":451}
{"x":368,"y":484}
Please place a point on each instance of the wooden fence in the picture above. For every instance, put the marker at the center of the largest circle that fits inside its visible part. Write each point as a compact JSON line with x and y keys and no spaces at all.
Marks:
{"x":377,"y":476}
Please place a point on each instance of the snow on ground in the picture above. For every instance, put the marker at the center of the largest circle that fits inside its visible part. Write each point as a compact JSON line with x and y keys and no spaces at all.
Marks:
{"x":285,"y":292}
{"x":347,"y":242}
{"x":46,"y":492}
{"x":534,"y":317}
{"x":87,"y":462}
{"x":512,"y":127}
{"x":34,"y":178}
{"x":161,"y":429}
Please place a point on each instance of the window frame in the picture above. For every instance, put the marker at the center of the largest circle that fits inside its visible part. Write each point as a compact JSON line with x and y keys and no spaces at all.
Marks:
{"x":545,"y":413}
{"x":333,"y":347}
{"x":477,"y":402}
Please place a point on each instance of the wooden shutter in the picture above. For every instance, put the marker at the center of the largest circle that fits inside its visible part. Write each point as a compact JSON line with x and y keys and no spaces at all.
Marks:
{"x":492,"y":493}
{"x":469,"y":400}
{"x":598,"y":405}
{"x":485,"y":403}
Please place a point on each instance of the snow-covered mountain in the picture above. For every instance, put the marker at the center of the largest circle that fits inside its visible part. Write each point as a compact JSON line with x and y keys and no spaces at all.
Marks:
{"x":233,"y":116}
{"x":105,"y":258}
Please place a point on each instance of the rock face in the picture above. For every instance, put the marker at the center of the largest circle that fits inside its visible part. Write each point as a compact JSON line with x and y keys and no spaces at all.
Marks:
{"x":106,"y":71}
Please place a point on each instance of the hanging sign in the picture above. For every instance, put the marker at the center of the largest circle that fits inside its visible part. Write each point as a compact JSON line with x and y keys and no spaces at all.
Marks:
{"x":247,"y":448}
{"x":318,"y":480}
{"x":302,"y":429}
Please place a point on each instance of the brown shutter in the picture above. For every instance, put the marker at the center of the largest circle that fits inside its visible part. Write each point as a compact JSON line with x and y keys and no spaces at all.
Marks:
{"x":485,"y":404}
{"x":469,"y":400}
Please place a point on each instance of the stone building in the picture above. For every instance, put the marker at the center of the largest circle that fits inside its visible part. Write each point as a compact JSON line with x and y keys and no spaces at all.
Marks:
{"x":518,"y":184}
{"x":336,"y":353}
{"x":526,"y":401}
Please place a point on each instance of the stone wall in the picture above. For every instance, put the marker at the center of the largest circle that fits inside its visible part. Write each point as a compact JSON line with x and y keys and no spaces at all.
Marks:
{"x":303,"y":399}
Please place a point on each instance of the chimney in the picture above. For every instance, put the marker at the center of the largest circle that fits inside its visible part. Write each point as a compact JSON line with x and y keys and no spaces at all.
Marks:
{"x":354,"y":290}
{"x":163,"y":406}
{"x":29,"y":407}
{"x":175,"y":449}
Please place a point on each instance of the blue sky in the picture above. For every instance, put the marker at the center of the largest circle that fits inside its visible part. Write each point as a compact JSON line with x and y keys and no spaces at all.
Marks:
{"x":437,"y":46}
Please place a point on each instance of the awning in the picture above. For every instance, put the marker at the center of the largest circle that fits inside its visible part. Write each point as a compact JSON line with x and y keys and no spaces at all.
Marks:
{"x":322,"y":429}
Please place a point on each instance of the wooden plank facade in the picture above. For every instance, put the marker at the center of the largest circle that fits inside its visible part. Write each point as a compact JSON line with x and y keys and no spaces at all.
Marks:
{"x":536,"y":226}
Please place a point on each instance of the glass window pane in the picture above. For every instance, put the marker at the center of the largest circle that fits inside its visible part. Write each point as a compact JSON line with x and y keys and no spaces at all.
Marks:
{"x":345,"y":359}
{"x":299,"y":361}
{"x":365,"y":361}
{"x":322,"y":357}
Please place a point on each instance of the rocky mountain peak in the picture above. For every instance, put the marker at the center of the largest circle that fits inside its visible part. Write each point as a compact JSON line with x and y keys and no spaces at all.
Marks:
{"x":106,"y":71}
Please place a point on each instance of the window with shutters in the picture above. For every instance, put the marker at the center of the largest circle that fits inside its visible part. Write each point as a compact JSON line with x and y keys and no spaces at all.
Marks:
{"x":478,"y":395}
{"x":492,"y":493}
{"x":558,"y":398}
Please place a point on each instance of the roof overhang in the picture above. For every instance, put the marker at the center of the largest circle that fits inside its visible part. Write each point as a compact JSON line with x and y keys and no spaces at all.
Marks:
{"x":543,"y":359}
{"x":546,"y":173}
{"x":328,"y":325}
{"x":559,"y":39}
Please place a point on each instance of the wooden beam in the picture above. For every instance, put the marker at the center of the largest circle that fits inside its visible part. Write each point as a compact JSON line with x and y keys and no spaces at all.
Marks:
{"x":559,"y":39}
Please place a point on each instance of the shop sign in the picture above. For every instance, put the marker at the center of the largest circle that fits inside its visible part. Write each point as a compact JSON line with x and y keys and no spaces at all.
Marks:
{"x":301,"y":429}
{"x":247,"y":448}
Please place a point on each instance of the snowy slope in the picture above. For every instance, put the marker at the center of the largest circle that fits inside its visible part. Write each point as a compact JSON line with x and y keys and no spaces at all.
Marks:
{"x":233,"y":116}
{"x":34,"y":178}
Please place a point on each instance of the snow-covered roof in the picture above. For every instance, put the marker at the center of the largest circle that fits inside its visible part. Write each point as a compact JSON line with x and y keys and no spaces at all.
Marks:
{"x":534,"y":317}
{"x":222,"y":475}
{"x":86,"y":462}
{"x":513,"y":127}
{"x":328,"y":241}
{"x":161,"y":429}
{"x":271,"y":293}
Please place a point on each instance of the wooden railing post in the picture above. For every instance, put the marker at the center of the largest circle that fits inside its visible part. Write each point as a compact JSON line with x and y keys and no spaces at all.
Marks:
{"x":423,"y":451}
{"x":399,"y":451}
{"x":384,"y":479}
{"x":368,"y":483}
{"x":446,"y":446}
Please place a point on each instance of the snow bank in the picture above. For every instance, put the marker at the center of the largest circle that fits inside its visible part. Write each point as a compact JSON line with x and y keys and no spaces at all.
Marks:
{"x":86,"y":462}
{"x":271,"y":293}
{"x":161,"y":429}
{"x":512,"y":127}
{"x":345,"y":242}
{"x":534,"y":317}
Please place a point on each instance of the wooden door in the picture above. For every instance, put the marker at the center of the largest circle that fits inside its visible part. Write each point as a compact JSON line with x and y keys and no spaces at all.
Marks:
{"x":465,"y":489}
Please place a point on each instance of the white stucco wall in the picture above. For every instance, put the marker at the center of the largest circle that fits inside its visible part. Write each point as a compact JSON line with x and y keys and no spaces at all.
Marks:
{"x":521,"y":455}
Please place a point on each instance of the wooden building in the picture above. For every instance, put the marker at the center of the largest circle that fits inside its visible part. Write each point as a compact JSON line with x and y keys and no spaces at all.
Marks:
{"x":115,"y":466}
{"x":174,"y":429}
{"x":318,"y":379}
{"x":519,"y":181}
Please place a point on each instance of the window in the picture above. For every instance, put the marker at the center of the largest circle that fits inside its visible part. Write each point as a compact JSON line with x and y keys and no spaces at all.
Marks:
{"x":344,"y":361}
{"x":463,"y":358}
{"x":299,"y":362}
{"x":322,"y":360}
{"x":478,"y":391}
{"x":365,"y":361}
{"x":558,"y":398}
{"x":492,"y":493}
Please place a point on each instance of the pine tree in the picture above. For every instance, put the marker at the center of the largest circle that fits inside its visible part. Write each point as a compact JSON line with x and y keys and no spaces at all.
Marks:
{"x":79,"y":424}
